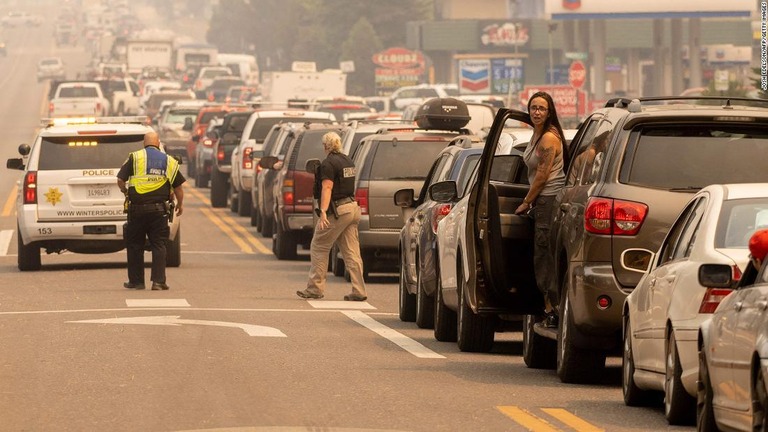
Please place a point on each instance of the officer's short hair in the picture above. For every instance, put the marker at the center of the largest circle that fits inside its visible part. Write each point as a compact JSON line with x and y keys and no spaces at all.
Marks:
{"x":332,"y":142}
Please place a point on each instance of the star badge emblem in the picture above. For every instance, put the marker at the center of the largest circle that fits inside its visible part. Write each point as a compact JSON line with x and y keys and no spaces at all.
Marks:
{"x":53,"y":196}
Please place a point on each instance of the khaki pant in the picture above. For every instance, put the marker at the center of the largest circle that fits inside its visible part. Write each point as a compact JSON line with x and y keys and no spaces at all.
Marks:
{"x":344,"y":231}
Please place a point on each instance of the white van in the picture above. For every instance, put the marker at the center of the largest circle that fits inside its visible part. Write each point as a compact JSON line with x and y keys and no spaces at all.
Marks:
{"x":242,"y":65}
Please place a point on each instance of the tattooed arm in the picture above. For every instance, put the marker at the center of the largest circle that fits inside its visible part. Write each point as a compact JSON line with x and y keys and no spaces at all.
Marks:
{"x":547,"y":149}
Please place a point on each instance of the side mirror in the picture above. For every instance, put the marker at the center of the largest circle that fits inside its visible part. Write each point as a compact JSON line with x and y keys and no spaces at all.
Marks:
{"x":443,"y":192}
{"x":716,"y":276}
{"x":637,"y":260}
{"x":404,"y":198}
{"x":312,"y":165}
{"x":15,"y":163}
{"x":268,"y":162}
{"x":178,"y":158}
{"x":24,"y":149}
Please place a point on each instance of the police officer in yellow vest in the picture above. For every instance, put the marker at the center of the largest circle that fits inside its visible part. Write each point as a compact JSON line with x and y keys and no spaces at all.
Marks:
{"x":149,"y":177}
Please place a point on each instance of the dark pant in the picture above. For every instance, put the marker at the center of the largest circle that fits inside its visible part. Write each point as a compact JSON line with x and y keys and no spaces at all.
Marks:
{"x":140,"y":226}
{"x":543,"y":255}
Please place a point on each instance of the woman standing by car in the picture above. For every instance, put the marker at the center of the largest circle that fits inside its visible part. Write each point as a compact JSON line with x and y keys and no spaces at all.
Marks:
{"x":545,"y":160}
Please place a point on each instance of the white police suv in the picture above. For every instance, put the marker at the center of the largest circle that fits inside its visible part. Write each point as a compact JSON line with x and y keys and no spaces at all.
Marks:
{"x":69,"y":198}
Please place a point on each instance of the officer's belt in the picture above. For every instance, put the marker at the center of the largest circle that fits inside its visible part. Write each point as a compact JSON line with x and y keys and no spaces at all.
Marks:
{"x":146,"y":208}
{"x":342,"y":201}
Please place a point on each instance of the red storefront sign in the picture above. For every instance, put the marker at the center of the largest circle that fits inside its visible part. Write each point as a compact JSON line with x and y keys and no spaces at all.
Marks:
{"x":569,"y":102}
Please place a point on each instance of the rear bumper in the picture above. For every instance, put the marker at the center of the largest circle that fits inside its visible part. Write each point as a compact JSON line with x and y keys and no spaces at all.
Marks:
{"x":588,"y":282}
{"x":299,"y":221}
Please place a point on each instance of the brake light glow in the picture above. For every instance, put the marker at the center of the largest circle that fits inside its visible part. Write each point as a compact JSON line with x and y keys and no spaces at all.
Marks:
{"x":247,"y":162}
{"x":438,"y":213}
{"x":220,"y":155}
{"x":712,"y":299}
{"x":50,"y":109}
{"x":30,"y":188}
{"x":288,"y":196}
{"x":361,"y":196}
{"x":617,"y":217}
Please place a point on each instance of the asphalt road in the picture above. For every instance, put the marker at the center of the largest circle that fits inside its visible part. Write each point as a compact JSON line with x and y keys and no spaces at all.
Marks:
{"x":230,"y":347}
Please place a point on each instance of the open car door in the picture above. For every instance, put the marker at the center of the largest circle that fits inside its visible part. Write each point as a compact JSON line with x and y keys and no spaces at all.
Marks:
{"x":502,"y":280}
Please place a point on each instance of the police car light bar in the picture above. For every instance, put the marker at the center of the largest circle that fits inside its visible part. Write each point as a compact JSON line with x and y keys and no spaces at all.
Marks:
{"x":69,"y":121}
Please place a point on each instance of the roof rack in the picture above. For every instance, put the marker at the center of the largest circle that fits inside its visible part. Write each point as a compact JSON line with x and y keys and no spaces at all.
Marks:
{"x":625,"y":102}
{"x":68,"y":121}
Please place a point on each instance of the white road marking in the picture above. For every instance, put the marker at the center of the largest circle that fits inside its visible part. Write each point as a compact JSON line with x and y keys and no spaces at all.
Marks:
{"x":5,"y":241}
{"x":320,"y":304}
{"x":250,"y":329}
{"x":397,"y":338}
{"x":159,"y":303}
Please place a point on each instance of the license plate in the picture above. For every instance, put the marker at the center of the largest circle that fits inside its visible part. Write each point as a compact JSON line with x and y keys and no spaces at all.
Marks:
{"x":99,"y":192}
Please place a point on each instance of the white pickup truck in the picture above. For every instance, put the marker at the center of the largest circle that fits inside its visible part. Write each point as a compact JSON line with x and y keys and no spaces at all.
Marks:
{"x":78,"y":99}
{"x":123,"y":95}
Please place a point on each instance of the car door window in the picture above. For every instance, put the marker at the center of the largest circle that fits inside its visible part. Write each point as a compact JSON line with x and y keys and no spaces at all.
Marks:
{"x":578,"y":157}
{"x":688,"y":236}
{"x":595,"y":153}
{"x":666,"y":252}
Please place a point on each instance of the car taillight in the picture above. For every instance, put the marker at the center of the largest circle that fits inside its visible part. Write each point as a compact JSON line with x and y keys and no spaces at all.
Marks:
{"x":220,"y":155}
{"x":712,"y":299}
{"x":247,"y":162}
{"x":288,"y":191}
{"x":361,"y":196}
{"x":50,"y":109}
{"x":438,"y":213}
{"x":186,"y":78}
{"x":207,"y":142}
{"x":30,"y":188}
{"x":210,"y":97}
{"x":98,"y":107}
{"x":198,"y":84}
{"x":617,"y":217}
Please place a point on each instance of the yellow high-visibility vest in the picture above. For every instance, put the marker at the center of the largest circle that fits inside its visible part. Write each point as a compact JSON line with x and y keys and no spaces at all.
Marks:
{"x":151,"y":173}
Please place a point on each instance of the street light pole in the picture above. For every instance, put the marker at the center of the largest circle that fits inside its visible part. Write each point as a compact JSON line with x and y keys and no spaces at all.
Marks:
{"x":551,"y":27}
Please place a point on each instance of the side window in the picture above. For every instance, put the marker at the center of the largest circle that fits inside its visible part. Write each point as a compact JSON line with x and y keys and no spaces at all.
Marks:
{"x":594,"y":155}
{"x":667,"y":250}
{"x":685,"y":242}
{"x":439,"y":167}
{"x":134,"y":87}
{"x":577,"y":158}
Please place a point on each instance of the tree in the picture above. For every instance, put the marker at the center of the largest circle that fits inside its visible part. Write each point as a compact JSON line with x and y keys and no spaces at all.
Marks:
{"x":361,"y":44}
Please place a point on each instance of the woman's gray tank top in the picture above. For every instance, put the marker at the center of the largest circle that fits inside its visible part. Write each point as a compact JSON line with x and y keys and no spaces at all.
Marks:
{"x":556,"y":179}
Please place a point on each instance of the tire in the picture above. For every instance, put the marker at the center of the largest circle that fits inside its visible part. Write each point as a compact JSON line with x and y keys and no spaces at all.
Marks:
{"x":192,"y":169}
{"x":407,"y":303}
{"x":284,"y":245}
{"x":267,"y":224}
{"x":539,"y":352}
{"x":575,"y":365}
{"x":255,"y":218}
{"x":705,"y":411}
{"x":633,"y":395}
{"x":201,"y":180}
{"x":29,"y":255}
{"x":445,"y":319}
{"x":425,"y":305}
{"x":173,"y":251}
{"x":474,"y":333}
{"x":233,"y":199}
{"x":244,"y":203}
{"x":759,"y":402}
{"x":678,"y":404}
{"x":219,"y":189}
{"x":337,"y":264}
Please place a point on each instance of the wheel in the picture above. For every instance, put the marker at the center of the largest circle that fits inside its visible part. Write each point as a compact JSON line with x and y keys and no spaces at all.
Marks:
{"x":192,"y":168}
{"x":219,"y":189}
{"x":445,"y":319}
{"x":475,"y":332}
{"x":575,"y":365}
{"x":173,"y":251}
{"x":244,"y":203}
{"x":284,"y":245}
{"x":337,"y":264}
{"x":759,"y":402}
{"x":678,"y":404}
{"x":234,"y":202}
{"x":121,"y":109}
{"x":29,"y":255}
{"x":539,"y":352}
{"x":705,"y":411}
{"x":633,"y":395}
{"x":407,"y":302}
{"x":425,"y":305}
{"x":255,"y":219}
{"x":267,"y":224}
{"x":201,"y":180}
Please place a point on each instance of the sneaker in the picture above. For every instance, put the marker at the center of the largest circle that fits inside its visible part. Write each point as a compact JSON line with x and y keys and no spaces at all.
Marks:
{"x":355,"y":297}
{"x":308,"y":295}
{"x":159,"y":286}
{"x":551,"y":320}
{"x":134,"y":286}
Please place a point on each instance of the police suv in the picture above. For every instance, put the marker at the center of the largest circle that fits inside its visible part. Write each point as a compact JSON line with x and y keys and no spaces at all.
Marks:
{"x":69,"y":198}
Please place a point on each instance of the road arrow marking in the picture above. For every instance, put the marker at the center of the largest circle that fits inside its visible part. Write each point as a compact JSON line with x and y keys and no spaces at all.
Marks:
{"x":252,"y":330}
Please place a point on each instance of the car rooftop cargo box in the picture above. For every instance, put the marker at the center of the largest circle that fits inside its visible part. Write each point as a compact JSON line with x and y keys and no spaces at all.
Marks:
{"x":442,"y":113}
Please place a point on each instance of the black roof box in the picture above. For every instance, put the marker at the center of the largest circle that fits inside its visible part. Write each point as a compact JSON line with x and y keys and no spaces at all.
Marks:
{"x":442,"y":113}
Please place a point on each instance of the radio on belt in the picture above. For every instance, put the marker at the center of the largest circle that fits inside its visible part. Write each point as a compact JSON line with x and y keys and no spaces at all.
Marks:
{"x":443,"y":114}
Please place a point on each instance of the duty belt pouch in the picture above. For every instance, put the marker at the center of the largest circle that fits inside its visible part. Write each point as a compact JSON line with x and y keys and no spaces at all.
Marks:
{"x":332,"y":208}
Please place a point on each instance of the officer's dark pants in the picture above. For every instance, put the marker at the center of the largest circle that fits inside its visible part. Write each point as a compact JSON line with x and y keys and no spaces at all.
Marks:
{"x":140,"y":226}
{"x":543,"y":256}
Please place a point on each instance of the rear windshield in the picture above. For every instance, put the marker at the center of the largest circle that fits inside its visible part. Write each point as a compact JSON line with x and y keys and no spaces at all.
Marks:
{"x":156,"y":99}
{"x":210,"y":115}
{"x":78,"y":92}
{"x":739,"y":219}
{"x":237,"y":123}
{"x":670,"y":157}
{"x":180,"y":116}
{"x":48,"y":62}
{"x":225,"y":84}
{"x":264,"y":124}
{"x":213,"y":73}
{"x":87,"y":152}
{"x":404,"y":160}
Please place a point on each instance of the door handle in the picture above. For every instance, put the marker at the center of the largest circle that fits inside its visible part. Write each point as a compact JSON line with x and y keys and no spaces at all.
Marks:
{"x":652,"y":283}
{"x":670,"y":278}
{"x":762,"y":304}
{"x":737,"y":306}
{"x":564,"y":207}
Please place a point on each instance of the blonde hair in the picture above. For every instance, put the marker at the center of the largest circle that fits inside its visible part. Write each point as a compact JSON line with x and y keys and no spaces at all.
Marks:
{"x":332,"y":142}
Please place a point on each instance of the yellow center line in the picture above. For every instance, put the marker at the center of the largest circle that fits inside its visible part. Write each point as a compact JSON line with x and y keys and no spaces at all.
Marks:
{"x":227,"y":230}
{"x":233,"y":224}
{"x":10,"y":201}
{"x":571,"y":420}
{"x":526,"y":419}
